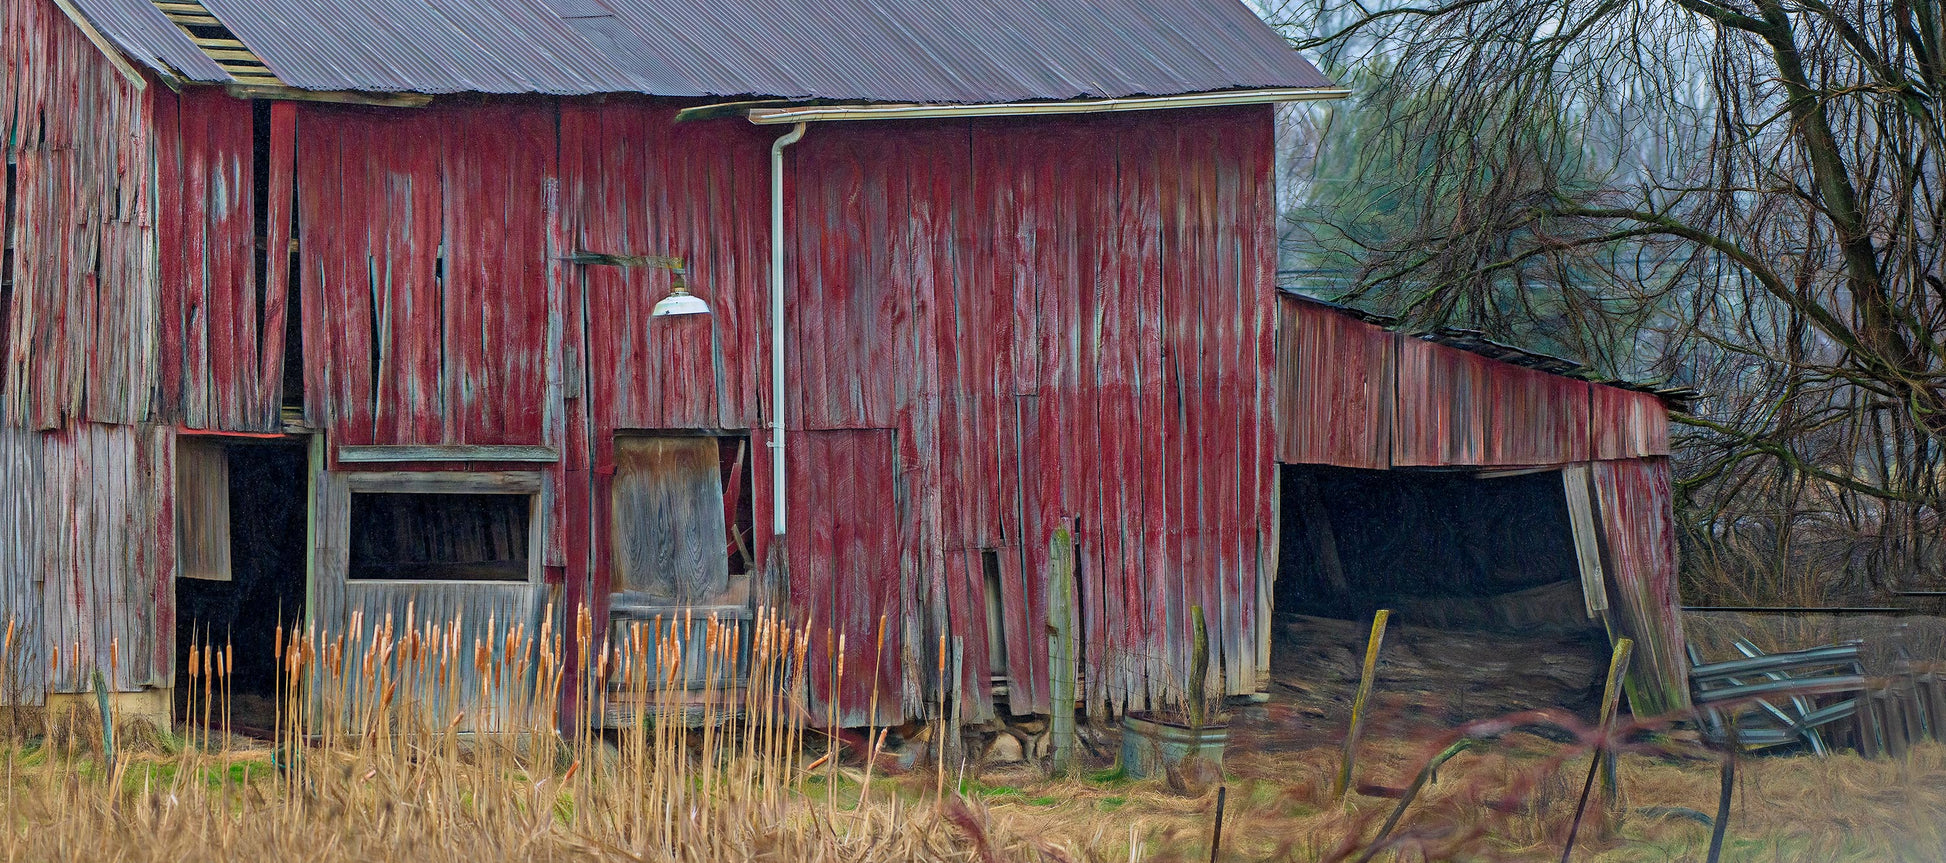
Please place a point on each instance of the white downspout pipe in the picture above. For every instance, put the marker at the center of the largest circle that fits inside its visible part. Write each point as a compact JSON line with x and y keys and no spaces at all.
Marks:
{"x":777,"y":496}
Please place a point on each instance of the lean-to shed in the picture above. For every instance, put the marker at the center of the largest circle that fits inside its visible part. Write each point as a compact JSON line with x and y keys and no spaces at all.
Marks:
{"x":321,"y":310}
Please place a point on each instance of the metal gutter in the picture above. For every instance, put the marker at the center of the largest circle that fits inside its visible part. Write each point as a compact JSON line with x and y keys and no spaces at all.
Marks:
{"x":828,"y":113}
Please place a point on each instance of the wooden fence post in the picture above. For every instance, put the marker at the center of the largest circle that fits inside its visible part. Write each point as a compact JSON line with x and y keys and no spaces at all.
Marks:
{"x":1372,"y":646}
{"x":1061,"y":657}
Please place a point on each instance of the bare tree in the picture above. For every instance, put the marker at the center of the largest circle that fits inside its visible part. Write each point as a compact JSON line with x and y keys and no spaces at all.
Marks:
{"x":1741,"y":194}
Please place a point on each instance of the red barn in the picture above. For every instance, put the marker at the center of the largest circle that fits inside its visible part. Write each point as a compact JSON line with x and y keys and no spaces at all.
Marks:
{"x":321,"y":310}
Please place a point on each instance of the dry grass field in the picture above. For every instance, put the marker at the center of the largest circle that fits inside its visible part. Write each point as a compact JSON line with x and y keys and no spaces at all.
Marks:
{"x":399,"y":778}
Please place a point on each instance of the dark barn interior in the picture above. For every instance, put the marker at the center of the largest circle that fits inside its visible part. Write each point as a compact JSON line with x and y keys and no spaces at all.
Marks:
{"x":1354,"y":541}
{"x":265,"y":588}
{"x":1480,"y":573}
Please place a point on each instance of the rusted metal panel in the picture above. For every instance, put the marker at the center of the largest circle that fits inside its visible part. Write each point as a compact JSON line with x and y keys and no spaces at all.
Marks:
{"x":1639,"y":533}
{"x":1335,"y":376}
{"x":108,"y":555}
{"x":1460,"y":408}
{"x":858,"y":49}
{"x":423,"y":272}
{"x":82,"y":342}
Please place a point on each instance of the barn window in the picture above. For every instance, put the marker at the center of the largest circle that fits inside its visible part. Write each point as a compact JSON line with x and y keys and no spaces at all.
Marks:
{"x":422,"y":536}
{"x":7,"y":266}
{"x":681,"y":520}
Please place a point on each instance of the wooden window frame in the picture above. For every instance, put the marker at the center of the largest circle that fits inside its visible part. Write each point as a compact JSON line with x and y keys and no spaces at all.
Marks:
{"x":531,"y":484}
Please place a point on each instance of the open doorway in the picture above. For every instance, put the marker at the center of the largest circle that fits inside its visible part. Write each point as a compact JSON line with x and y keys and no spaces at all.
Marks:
{"x":1480,"y":570}
{"x":240,"y":529}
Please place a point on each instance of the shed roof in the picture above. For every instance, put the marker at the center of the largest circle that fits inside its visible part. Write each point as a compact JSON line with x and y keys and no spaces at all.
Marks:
{"x":855,"y":50}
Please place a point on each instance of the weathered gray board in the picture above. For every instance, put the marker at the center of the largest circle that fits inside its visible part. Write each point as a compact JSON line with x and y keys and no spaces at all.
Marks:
{"x":474,"y":606}
{"x":202,"y":509}
{"x":669,"y":537}
{"x":108,"y":554}
{"x":25,"y":665}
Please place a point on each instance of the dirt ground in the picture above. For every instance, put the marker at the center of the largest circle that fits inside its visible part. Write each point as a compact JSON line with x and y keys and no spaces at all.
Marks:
{"x":1512,"y":800}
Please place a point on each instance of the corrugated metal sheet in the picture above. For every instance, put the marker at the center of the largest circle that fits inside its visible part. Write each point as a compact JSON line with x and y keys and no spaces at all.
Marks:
{"x":83,"y":337}
{"x":858,"y":49}
{"x":1639,"y":533}
{"x":148,"y":37}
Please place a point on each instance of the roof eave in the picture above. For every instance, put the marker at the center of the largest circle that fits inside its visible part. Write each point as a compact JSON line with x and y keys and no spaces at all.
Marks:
{"x":829,"y":113}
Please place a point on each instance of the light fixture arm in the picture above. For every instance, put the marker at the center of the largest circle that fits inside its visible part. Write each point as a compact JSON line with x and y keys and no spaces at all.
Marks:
{"x":778,"y":521}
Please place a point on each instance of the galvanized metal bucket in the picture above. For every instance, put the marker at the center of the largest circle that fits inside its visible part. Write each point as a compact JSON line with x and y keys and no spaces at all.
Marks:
{"x":1150,"y":746}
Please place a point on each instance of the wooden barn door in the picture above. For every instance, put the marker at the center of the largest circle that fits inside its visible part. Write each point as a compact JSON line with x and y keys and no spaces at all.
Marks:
{"x":679,"y":564}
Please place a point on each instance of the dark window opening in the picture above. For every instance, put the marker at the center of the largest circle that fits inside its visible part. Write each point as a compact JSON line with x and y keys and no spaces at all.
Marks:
{"x":996,"y":614}
{"x":1440,"y":548}
{"x":260,"y":202}
{"x":7,"y":268}
{"x":439,"y":537}
{"x":267,"y":236}
{"x":251,"y":498}
{"x":738,"y":515}
{"x":682,"y":524}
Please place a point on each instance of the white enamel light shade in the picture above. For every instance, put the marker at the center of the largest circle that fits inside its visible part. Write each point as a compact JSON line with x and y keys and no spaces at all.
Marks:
{"x":680,"y":302}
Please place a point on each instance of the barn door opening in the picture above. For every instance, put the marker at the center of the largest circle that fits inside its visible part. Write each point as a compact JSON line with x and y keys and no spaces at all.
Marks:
{"x":1480,"y":569}
{"x":680,"y":555}
{"x":240,"y":556}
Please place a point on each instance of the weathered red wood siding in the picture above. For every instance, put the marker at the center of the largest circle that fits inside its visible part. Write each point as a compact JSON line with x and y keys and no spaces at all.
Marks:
{"x":86,"y":551}
{"x":82,"y":343}
{"x":1626,"y":424}
{"x":996,"y":328}
{"x":1460,"y":408}
{"x":1357,"y":395}
{"x":222,"y":331}
{"x":1066,"y":322}
{"x":1639,"y":532}
{"x":1337,"y":388}
{"x":423,"y":261}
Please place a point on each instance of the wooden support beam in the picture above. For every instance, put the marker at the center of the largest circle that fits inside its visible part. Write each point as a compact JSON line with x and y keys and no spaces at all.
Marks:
{"x":255,"y":90}
{"x":401,"y":453}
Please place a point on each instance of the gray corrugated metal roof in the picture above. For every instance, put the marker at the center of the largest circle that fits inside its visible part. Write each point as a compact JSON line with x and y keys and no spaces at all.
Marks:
{"x":869,"y":50}
{"x":149,"y":38}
